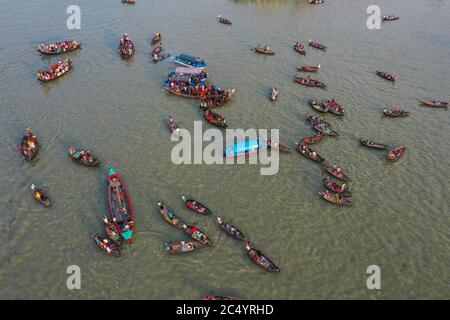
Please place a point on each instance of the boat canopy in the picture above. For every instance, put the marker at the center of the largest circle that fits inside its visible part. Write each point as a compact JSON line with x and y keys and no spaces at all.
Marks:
{"x":187,"y":71}
{"x":188,"y":57}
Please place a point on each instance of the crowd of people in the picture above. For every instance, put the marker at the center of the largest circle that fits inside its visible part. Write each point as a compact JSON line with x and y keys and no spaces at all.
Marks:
{"x":126,"y":46}
{"x":59,"y":47}
{"x":55,"y":70}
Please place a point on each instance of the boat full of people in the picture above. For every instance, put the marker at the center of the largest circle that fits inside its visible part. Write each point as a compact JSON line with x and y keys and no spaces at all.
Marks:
{"x":55,"y":71}
{"x":59,"y":47}
{"x":126,"y":47}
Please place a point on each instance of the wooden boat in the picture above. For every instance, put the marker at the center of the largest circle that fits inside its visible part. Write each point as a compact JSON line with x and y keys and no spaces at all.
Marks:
{"x":316,"y":120}
{"x":260,"y":259}
{"x":215,"y":118}
{"x":264,"y":50}
{"x":309,"y":68}
{"x":396,"y":153}
{"x":173,"y":127}
{"x":300,"y":48}
{"x":310,"y":82}
{"x":370,"y":144}
{"x":59,"y":48}
{"x":83,"y":157}
{"x":195,"y":205}
{"x":120,"y":207}
{"x":129,"y":1}
{"x":55,"y":71}
{"x":106,"y":246}
{"x":112,"y":232}
{"x":318,"y":106}
{"x":337,"y":173}
{"x":160,"y":56}
{"x":40,"y":196}
{"x":169,"y":216}
{"x":126,"y":47}
{"x":183,"y":246}
{"x":211,"y":297}
{"x":245,"y":148}
{"x":387,"y":76}
{"x":333,"y":107}
{"x":436,"y":103}
{"x":230,"y":229}
{"x":395,"y":113}
{"x":189,"y":61}
{"x":29,"y":146}
{"x":274,"y":94}
{"x":335,"y":187}
{"x":335,"y":198}
{"x":157,"y":50}
{"x":390,"y":18}
{"x":196,"y":234}
{"x":326,"y":130}
{"x":156,"y":38}
{"x":277,"y":145}
{"x":309,"y":153}
{"x":316,"y":45}
{"x":315,"y":1}
{"x":314,"y":139}
{"x":224,"y":21}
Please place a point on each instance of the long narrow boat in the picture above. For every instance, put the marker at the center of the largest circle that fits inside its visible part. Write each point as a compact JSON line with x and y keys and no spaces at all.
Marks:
{"x":277,"y":145}
{"x":106,"y":246}
{"x":224,"y":21}
{"x":195,"y":205}
{"x":211,"y":297}
{"x":156,"y":38}
{"x":196,"y":234}
{"x":29,"y":146}
{"x":173,"y":127}
{"x":318,"y":106}
{"x":55,"y":71}
{"x":314,"y":139}
{"x":335,"y":187}
{"x":370,"y":144}
{"x":59,"y":47}
{"x":436,"y":103}
{"x":183,"y":246}
{"x":309,"y":153}
{"x":396,"y":153}
{"x":309,"y":82}
{"x":316,"y":45}
{"x":40,"y":196}
{"x":334,"y":107}
{"x":230,"y":229}
{"x":337,"y":173}
{"x":83,"y":157}
{"x":309,"y":68}
{"x":260,"y":259}
{"x":189,"y":61}
{"x":264,"y":50}
{"x":316,"y":120}
{"x":387,"y":76}
{"x":169,"y":216}
{"x":300,"y":48}
{"x":245,"y":148}
{"x":395,"y":113}
{"x":326,"y":130}
{"x":111,"y":231}
{"x":390,"y":18}
{"x":335,"y":198}
{"x":120,"y":207}
{"x":129,"y":1}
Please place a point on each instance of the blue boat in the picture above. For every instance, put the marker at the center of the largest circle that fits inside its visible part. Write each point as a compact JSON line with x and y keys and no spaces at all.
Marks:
{"x":190,"y":61}
{"x":244,"y":148}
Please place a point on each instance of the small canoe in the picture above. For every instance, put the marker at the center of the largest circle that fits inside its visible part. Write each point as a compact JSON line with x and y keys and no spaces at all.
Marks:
{"x":435,"y":103}
{"x":245,"y":148}
{"x":230,"y":229}
{"x":395,"y":113}
{"x":264,"y":50}
{"x":335,"y":187}
{"x":390,"y":18}
{"x":106,"y":246}
{"x":211,"y":297}
{"x":333,"y":107}
{"x":157,"y":50}
{"x":224,"y":21}
{"x":111,"y":231}
{"x":370,"y":144}
{"x":59,"y":47}
{"x":83,"y":157}
{"x":309,"y":153}
{"x":260,"y":259}
{"x":309,"y":82}
{"x":160,"y":56}
{"x":396,"y":153}
{"x":274,"y":94}
{"x":309,"y":68}
{"x":40,"y":196}
{"x":126,"y":47}
{"x":120,"y":207}
{"x":316,"y":120}
{"x":300,"y":48}
{"x":277,"y":145}
{"x":335,"y":198}
{"x":183,"y":246}
{"x":387,"y":76}
{"x":314,"y":139}
{"x":55,"y":71}
{"x":315,"y":1}
{"x":169,"y":216}
{"x":326,"y":130}
{"x":318,"y":106}
{"x":195,"y":205}
{"x":316,"y":45}
{"x":173,"y":127}
{"x":196,"y":234}
{"x":156,"y":38}
{"x":129,"y":1}
{"x":215,"y":118}
{"x":29,"y":146}
{"x":337,"y":173}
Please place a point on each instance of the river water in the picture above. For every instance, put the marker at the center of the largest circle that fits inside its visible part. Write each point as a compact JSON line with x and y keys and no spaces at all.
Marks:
{"x":400,"y":217}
